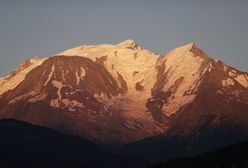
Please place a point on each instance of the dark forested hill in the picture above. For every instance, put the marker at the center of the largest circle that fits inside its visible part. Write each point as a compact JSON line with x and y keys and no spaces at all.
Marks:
{"x":29,"y":146}
{"x":235,"y":156}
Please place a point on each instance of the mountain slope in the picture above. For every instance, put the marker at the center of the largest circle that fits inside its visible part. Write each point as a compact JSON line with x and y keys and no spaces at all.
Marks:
{"x":26,"y":145}
{"x":14,"y":78}
{"x":170,"y":145}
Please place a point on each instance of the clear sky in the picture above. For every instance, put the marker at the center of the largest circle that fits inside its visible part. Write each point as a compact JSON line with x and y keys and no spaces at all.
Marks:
{"x":44,"y":27}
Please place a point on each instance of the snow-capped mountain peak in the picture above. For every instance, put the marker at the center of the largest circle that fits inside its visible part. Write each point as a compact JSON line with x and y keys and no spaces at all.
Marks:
{"x":131,"y":44}
{"x":123,"y":89}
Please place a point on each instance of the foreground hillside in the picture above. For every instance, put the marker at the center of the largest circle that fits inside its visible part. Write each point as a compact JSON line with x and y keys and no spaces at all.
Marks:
{"x":30,"y":146}
{"x":229,"y":157}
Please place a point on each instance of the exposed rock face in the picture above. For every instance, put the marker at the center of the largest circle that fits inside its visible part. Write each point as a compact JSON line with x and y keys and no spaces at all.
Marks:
{"x":79,"y":96}
{"x":14,"y":78}
{"x":123,"y":93}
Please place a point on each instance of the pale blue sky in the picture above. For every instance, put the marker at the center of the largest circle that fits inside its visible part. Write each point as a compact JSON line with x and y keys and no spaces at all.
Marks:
{"x":44,"y":27}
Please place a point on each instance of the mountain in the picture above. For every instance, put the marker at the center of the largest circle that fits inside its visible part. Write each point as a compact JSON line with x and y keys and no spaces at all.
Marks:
{"x":121,"y":94}
{"x":73,"y":93}
{"x":231,"y":156}
{"x":215,"y":117}
{"x":26,"y":145}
